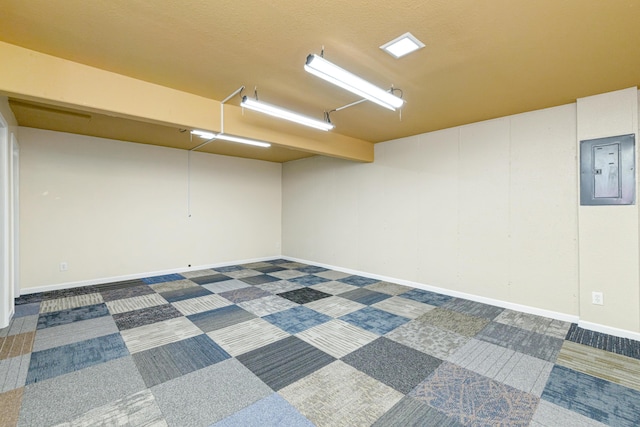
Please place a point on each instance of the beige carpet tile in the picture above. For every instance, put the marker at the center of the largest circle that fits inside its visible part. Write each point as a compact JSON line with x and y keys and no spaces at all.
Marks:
{"x":70,"y":302}
{"x":388,"y":288}
{"x":335,"y":306}
{"x":292,"y":265}
{"x":533,"y":323}
{"x":200,"y":304}
{"x":340,"y":395}
{"x":337,"y":338}
{"x":198,"y":273}
{"x":16,"y":345}
{"x":246,"y":336}
{"x":259,"y":264}
{"x":135,"y":303}
{"x":453,"y":321}
{"x":10,"y":407}
{"x":332,"y":274}
{"x":240,"y":274}
{"x":432,"y":340}
{"x":403,"y":307}
{"x":267,"y":305}
{"x":333,"y":287}
{"x":176,"y":285}
{"x":609,"y":366}
{"x":160,"y":333}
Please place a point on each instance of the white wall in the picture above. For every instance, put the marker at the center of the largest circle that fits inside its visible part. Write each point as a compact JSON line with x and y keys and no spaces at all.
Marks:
{"x":109,"y":209}
{"x":488,"y":209}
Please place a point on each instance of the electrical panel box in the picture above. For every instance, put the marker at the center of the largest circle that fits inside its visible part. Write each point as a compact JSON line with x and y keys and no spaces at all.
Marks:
{"x":607,"y":171}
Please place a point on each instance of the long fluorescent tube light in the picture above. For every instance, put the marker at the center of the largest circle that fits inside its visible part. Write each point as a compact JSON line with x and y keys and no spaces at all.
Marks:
{"x":231,"y":138}
{"x":281,"y":113}
{"x":330,"y":72}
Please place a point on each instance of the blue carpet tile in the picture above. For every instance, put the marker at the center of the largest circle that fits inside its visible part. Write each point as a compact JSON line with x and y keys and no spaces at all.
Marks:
{"x":236,"y":346}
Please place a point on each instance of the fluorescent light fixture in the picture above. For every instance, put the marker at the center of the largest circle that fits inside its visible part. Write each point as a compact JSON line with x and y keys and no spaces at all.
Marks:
{"x":330,"y":72}
{"x":403,"y":45}
{"x":232,"y":138}
{"x":272,"y":110}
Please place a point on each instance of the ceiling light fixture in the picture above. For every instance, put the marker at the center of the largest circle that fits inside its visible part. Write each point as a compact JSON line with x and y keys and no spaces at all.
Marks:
{"x":403,"y":45}
{"x":232,"y":138}
{"x":272,"y":110}
{"x":330,"y":72}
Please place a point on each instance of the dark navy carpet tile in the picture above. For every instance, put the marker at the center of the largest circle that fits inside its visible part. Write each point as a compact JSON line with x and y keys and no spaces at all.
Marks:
{"x":358,"y":281}
{"x":28,"y":299}
{"x":126,"y":292}
{"x":229,"y":268}
{"x":623,"y":346}
{"x":269,"y":269}
{"x":57,"y":361}
{"x":119,"y":285}
{"x":308,"y":280}
{"x":426,"y":297}
{"x":365,"y":296}
{"x":211,"y":278}
{"x":145,"y":316}
{"x":311,"y":269}
{"x":185,"y":293}
{"x":304,"y":295}
{"x":57,"y":318}
{"x":279,"y":261}
{"x":64,"y":293}
{"x":607,"y":402}
{"x":161,"y":364}
{"x":162,"y":279}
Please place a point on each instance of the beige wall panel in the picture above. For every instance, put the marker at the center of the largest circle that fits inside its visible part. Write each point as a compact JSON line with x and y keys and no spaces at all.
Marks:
{"x":543,"y":200}
{"x":109,"y":208}
{"x":484,"y":208}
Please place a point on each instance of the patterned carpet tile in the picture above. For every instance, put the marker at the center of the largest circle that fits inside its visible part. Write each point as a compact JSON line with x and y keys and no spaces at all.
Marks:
{"x":70,"y":302}
{"x":358,"y":281}
{"x":241,"y":274}
{"x":550,"y":415}
{"x":226,"y":286}
{"x":388,"y":288}
{"x":173,"y":285}
{"x":365,"y":296}
{"x":310,"y":269}
{"x":16,"y":345}
{"x":332,"y":274}
{"x":208,"y":395}
{"x":296,"y":319}
{"x":228,"y":269}
{"x":13,"y":372}
{"x":29,"y":299}
{"x":125,"y":284}
{"x":10,"y":402}
{"x":145,"y":316}
{"x":292,"y":265}
{"x":340,"y":395}
{"x":159,"y":333}
{"x":429,"y":339}
{"x":61,"y":360}
{"x":474,"y":399}
{"x":164,"y":363}
{"x":608,"y":366}
{"x":473,"y":308}
{"x":74,"y":332}
{"x":393,"y":364}
{"x":269,"y":269}
{"x":618,"y":345}
{"x":135,"y":303}
{"x":200,"y":304}
{"x":414,"y":413}
{"x":308,"y":280}
{"x":333,"y":287}
{"x":128,"y":292}
{"x":198,"y":273}
{"x":279,"y":287}
{"x":518,"y":370}
{"x":246,"y":336}
{"x":211,"y":278}
{"x":593,"y":397}
{"x":533,"y":323}
{"x":20,"y":325}
{"x":287,"y":274}
{"x":272,"y":411}
{"x":138,"y":409}
{"x":64,"y":293}
{"x":220,"y":318}
{"x":259,"y":279}
{"x":267,"y":305}
{"x":403,"y":307}
{"x":374,"y":320}
{"x":337,"y":338}
{"x":335,"y":306}
{"x":183,"y":294}
{"x":255,"y":265}
{"x":459,"y":323}
{"x":304,"y":295}
{"x":63,"y":317}
{"x":245,"y":294}
{"x":532,"y":343}
{"x":285,"y":362}
{"x":426,"y":297}
{"x":162,"y":279}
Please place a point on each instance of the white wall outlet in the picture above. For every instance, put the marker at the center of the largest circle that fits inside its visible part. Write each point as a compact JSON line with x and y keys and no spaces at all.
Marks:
{"x":64,"y":266}
{"x":597,"y":298}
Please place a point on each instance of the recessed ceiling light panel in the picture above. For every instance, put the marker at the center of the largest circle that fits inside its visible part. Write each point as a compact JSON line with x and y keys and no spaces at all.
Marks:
{"x":403,"y":45}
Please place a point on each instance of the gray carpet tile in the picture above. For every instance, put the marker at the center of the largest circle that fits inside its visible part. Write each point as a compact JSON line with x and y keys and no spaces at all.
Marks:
{"x":246,"y":336}
{"x":119,"y":285}
{"x":135,"y":303}
{"x":245,"y":294}
{"x":473,"y":308}
{"x":388,"y":288}
{"x":279,"y":286}
{"x":183,"y":294}
{"x":227,"y":285}
{"x":74,"y":332}
{"x":188,"y":400}
{"x":13,"y":372}
{"x":365,"y":296}
{"x":393,"y":364}
{"x":618,"y":345}
{"x":429,"y":339}
{"x":284,"y":362}
{"x":550,"y":415}
{"x":65,"y":397}
{"x":413,"y":413}
{"x":159,"y":333}
{"x":533,"y":323}
{"x":126,"y":292}
{"x":537,"y":345}
{"x":287,"y":274}
{"x":220,"y":318}
{"x":267,"y":305}
{"x":58,"y":318}
{"x":211,"y":278}
{"x":303,"y":295}
{"x":174,"y":285}
{"x":201,"y":304}
{"x":336,"y":337}
{"x":459,"y":323}
{"x":20,"y":325}
{"x":403,"y":307}
{"x":269,"y":269}
{"x":145,"y":316}
{"x":64,"y":303}
{"x":272,"y":411}
{"x":259,"y":279}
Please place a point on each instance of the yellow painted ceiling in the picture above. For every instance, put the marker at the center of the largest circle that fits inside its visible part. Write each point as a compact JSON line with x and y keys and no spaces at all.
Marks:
{"x":483,"y":59}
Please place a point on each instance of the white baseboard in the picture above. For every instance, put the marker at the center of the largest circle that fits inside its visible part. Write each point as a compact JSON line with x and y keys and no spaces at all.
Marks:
{"x":103,"y":280}
{"x":609,"y":330}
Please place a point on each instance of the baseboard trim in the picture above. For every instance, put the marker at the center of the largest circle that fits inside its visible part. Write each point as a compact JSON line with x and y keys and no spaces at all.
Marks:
{"x":103,"y":280}
{"x":456,"y":294}
{"x":609,"y":330}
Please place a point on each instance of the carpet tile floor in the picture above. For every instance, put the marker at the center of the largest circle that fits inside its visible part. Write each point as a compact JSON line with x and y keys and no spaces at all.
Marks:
{"x":280,"y":343}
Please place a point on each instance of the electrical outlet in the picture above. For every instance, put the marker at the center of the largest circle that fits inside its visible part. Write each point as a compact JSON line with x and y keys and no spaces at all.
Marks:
{"x":64,"y":266}
{"x":597,"y":298}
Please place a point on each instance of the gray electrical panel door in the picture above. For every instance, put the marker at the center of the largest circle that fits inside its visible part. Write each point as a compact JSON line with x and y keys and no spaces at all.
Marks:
{"x":607,"y":171}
